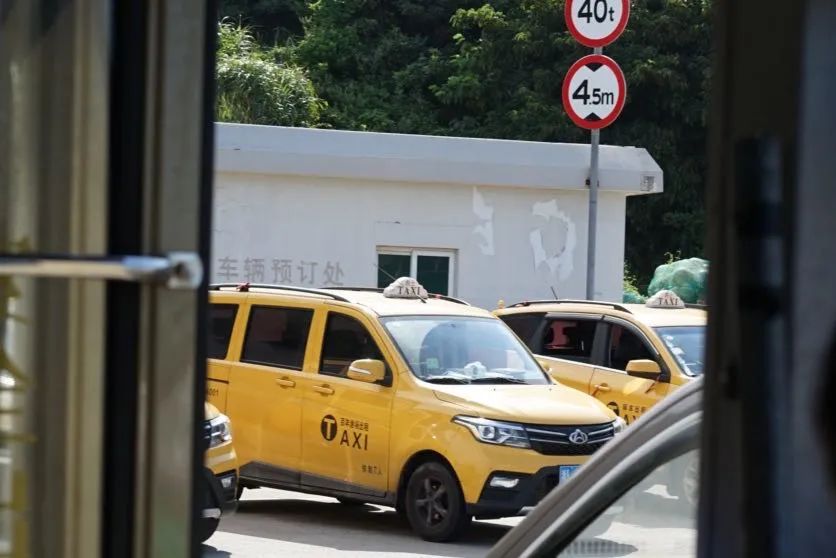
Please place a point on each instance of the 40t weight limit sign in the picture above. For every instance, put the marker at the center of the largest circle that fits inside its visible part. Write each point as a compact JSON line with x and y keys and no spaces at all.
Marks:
{"x":597,"y":23}
{"x":594,"y":92}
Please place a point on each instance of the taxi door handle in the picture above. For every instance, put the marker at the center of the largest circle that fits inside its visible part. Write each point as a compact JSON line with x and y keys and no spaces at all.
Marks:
{"x":324,"y":390}
{"x":604,"y":388}
{"x":284,"y":382}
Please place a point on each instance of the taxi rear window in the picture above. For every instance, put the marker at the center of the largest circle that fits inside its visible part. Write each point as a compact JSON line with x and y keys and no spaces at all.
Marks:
{"x":221,"y":320}
{"x":277,"y":336}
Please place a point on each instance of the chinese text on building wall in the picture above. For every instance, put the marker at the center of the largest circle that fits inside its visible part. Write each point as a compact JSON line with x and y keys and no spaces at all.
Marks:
{"x":279,"y":270}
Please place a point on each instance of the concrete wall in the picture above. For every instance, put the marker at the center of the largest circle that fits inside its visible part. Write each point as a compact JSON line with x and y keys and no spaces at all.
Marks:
{"x":330,"y":230}
{"x":510,"y":242}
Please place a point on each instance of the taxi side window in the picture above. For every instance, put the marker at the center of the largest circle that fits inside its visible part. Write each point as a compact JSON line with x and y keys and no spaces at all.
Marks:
{"x":524,"y":325}
{"x":346,"y":340}
{"x":277,"y":336}
{"x":625,"y":346}
{"x":221,"y":320}
{"x":569,"y":339}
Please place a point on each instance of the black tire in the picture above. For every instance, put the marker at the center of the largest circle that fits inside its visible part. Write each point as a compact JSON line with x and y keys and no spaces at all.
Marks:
{"x":239,"y":490}
{"x":352,"y":502}
{"x":685,"y":483}
{"x":207,"y":528}
{"x":434,"y":503}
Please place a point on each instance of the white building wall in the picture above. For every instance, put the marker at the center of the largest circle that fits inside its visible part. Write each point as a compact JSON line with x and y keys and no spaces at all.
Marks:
{"x":510,"y":243}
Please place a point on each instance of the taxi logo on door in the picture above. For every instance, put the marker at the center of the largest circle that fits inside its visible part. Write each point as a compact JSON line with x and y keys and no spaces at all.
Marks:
{"x":328,"y":427}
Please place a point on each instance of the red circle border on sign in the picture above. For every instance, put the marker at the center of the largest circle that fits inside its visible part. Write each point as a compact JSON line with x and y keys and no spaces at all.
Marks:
{"x":619,"y":104}
{"x":604,"y":41}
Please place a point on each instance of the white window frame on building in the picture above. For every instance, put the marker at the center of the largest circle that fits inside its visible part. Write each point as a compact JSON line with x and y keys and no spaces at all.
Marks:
{"x":416,"y":253}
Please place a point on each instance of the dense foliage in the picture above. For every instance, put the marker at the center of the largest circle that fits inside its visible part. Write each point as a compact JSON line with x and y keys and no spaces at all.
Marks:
{"x":493,"y":68}
{"x":255,"y":87}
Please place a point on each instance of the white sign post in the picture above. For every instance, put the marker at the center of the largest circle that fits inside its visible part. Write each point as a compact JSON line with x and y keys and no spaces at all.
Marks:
{"x":594,"y":91}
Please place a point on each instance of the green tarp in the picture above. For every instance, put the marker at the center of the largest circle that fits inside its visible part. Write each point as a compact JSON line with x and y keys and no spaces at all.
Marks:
{"x":687,"y":278}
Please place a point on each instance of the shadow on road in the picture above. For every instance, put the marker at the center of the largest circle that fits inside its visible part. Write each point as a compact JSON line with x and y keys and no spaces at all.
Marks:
{"x":597,"y":548}
{"x":209,"y":551}
{"x":330,"y":524}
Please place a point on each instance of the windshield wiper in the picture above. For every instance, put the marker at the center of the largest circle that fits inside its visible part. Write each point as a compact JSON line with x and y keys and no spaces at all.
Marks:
{"x":497,"y":380}
{"x":446,"y":380}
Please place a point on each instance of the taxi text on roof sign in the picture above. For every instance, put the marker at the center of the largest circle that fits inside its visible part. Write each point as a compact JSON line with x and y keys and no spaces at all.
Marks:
{"x":406,"y":287}
{"x":665,"y":299}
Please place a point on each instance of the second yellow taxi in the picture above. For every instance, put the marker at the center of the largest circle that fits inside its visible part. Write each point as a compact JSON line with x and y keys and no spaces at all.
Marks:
{"x":629,"y":356}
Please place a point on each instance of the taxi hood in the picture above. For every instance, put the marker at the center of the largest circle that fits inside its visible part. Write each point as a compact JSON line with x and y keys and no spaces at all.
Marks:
{"x":537,"y":404}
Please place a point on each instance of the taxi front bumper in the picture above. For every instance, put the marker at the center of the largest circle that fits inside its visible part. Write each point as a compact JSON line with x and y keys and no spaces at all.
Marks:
{"x":219,"y":495}
{"x":499,"y":499}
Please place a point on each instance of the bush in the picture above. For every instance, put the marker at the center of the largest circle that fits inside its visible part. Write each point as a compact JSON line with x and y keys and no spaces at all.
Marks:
{"x":255,"y":88}
{"x":631,"y":291}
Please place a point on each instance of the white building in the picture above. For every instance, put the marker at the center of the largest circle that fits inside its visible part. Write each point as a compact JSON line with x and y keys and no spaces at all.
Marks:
{"x":479,"y":219}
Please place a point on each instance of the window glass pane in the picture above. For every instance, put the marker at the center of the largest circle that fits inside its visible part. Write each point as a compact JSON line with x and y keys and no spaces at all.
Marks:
{"x":687,"y":345}
{"x":346,"y":340}
{"x":434,"y":274}
{"x":569,"y":339}
{"x":626,"y":346}
{"x":525,"y":326}
{"x":221,"y":320}
{"x":391,"y":265}
{"x":657,"y":517}
{"x":277,"y":336}
{"x":460,"y":350}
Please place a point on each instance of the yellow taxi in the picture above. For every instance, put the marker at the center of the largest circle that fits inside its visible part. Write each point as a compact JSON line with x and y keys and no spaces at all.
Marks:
{"x":220,"y":471}
{"x":394,"y":397}
{"x":629,"y":356}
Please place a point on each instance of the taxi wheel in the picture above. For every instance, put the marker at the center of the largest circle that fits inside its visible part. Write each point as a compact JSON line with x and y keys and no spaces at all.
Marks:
{"x":685,"y":484}
{"x":691,"y":483}
{"x":207,"y":528}
{"x":434,"y":504}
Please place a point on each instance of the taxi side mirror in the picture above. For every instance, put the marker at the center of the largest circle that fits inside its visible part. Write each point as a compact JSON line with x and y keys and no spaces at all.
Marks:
{"x":644,"y":368}
{"x":367,"y":370}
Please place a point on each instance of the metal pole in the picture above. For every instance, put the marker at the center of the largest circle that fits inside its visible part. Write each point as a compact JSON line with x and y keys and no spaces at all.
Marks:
{"x":593,"y":208}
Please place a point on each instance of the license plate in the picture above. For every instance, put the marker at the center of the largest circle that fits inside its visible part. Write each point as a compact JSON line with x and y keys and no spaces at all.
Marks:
{"x":566,"y":472}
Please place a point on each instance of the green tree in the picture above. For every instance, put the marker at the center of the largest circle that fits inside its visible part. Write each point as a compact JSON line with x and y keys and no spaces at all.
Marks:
{"x":374,"y":61}
{"x":270,"y":21}
{"x":506,"y":82}
{"x":494,"y":68}
{"x":255,"y":87}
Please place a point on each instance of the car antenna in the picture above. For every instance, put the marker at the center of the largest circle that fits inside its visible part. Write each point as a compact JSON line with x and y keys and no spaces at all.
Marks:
{"x":554,"y":292}
{"x":389,"y":275}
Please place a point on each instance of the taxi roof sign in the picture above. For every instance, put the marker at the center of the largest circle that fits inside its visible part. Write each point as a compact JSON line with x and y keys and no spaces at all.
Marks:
{"x":406,"y":287}
{"x":665,"y":299}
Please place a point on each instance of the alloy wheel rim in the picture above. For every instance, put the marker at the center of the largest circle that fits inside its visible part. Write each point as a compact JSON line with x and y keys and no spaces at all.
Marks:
{"x":433,"y":502}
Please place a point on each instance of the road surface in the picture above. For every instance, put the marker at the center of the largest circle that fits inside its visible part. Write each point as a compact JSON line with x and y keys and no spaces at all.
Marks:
{"x":276,"y":523}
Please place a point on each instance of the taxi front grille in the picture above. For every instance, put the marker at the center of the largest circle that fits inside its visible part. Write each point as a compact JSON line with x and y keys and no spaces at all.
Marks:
{"x":569,"y":440}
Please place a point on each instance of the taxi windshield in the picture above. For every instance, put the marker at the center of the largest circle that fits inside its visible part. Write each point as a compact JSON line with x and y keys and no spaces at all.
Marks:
{"x":687,"y":345}
{"x":463,"y":350}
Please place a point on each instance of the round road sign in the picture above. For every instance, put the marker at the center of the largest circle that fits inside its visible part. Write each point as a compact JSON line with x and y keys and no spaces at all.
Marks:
{"x":594,"y":91}
{"x":597,"y":23}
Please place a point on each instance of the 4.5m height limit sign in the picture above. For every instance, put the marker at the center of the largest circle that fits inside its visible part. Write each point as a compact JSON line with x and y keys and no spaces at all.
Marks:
{"x":594,"y":91}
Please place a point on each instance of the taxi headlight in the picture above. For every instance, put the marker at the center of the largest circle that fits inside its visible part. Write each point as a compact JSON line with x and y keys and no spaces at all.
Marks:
{"x":619,"y":424}
{"x":495,"y":432}
{"x":220,"y":431}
